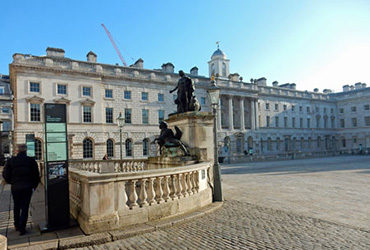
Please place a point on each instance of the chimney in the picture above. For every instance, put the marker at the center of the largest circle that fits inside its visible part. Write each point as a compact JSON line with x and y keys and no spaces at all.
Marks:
{"x":327,"y":91}
{"x":139,"y":64}
{"x":293,"y":86}
{"x":55,"y":52}
{"x":261,"y":81}
{"x":345,"y":88}
{"x":194,"y":71}
{"x":168,"y":68}
{"x":91,"y":57}
{"x":275,"y":83}
{"x":315,"y":90}
{"x":364,"y":85}
{"x":358,"y":85}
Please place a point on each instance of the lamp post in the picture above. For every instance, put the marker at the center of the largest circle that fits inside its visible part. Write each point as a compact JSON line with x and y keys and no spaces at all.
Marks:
{"x":214,"y":97}
{"x":120,"y":122}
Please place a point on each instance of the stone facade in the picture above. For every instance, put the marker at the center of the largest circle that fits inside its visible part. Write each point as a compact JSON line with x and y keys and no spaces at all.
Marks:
{"x":6,"y":118}
{"x":270,"y":120}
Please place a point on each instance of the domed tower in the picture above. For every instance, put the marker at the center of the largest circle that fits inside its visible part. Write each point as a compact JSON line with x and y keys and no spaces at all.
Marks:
{"x":219,"y":64}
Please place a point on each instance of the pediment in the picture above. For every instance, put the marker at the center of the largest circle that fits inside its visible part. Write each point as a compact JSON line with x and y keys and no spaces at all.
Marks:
{"x":35,"y":99}
{"x":87,"y":102}
{"x":62,"y":100}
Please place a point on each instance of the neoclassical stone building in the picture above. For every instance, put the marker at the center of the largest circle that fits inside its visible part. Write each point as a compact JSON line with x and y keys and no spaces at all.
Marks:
{"x":270,"y":120}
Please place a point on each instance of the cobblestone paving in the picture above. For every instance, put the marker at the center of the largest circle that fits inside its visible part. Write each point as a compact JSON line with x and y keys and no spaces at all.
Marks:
{"x":301,"y":204}
{"x":240,"y":225}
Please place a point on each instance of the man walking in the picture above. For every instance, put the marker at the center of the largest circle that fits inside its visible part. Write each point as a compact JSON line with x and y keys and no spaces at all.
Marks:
{"x":22,"y":173}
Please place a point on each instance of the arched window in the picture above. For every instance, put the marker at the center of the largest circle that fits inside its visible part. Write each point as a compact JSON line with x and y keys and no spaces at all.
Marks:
{"x":128,"y":145}
{"x":269,"y":144}
{"x":239,"y":143}
{"x":318,"y":142}
{"x":87,"y":149}
{"x":38,"y":149}
{"x":110,"y":148}
{"x":145,"y":147}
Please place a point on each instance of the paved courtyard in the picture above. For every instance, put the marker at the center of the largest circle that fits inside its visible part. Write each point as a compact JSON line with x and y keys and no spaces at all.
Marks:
{"x":299,"y":204}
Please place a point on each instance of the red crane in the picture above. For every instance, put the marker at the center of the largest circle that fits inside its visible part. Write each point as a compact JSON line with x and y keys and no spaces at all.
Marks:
{"x":114,"y":45}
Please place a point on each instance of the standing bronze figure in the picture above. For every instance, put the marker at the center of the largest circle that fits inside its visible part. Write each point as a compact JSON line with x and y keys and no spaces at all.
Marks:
{"x":185,"y":99}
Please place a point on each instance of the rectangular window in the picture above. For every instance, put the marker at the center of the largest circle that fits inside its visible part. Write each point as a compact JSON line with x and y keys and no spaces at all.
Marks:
{"x":109,"y":115}
{"x":127,"y":95}
{"x":367,"y":107}
{"x":285,"y":122}
{"x":145,"y":116}
{"x":5,"y":110}
{"x":308,"y":109}
{"x":341,"y":110}
{"x":160,"y":116}
{"x":341,"y":123}
{"x":276,"y":107}
{"x":317,"y":122}
{"x":35,"y":112}
{"x":160,"y":97}
{"x":62,"y":89}
{"x":284,"y":107}
{"x":308,"y":122}
{"x":35,"y":87}
{"x":332,"y":111}
{"x":276,"y":121}
{"x":293,"y":107}
{"x":108,"y":93}
{"x":354,"y":122}
{"x":333,"y":122}
{"x":293,"y":122}
{"x":267,"y":121}
{"x":301,"y":122}
{"x":86,"y":91}
{"x":203,"y":101}
{"x":86,"y":114}
{"x":300,"y":108}
{"x":324,"y":110}
{"x":367,"y":120}
{"x":267,"y":106}
{"x":144,"y":96}
{"x":353,"y":109}
{"x":128,"y":116}
{"x":2,"y":90}
{"x":6,"y":126}
{"x":317,"y":109}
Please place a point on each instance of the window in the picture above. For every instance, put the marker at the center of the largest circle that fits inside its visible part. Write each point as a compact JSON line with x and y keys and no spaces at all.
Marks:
{"x":308,"y":109}
{"x":317,"y":109}
{"x":354,"y":122}
{"x":86,"y":114}
{"x":325,"y":122}
{"x":278,"y":143}
{"x":353,"y":109}
{"x":277,"y":121}
{"x":160,"y":116}
{"x":128,"y":116}
{"x":160,"y":97}
{"x":301,"y":122}
{"x":284,"y":107}
{"x":367,"y":120}
{"x":86,"y":91}
{"x":293,"y":107}
{"x":127,"y":95}
{"x":333,"y":122}
{"x":6,"y":126}
{"x":276,"y":107}
{"x":38,"y":150}
{"x":108,"y":93}
{"x":267,"y":121}
{"x":35,"y":87}
{"x":145,"y":116}
{"x":145,"y":147}
{"x":300,"y":108}
{"x":367,"y":107}
{"x":341,"y":123}
{"x":87,"y":149}
{"x":285,"y":122}
{"x":62,"y":89}
{"x":308,"y":122}
{"x":109,"y":115}
{"x":293,"y":122}
{"x":128,"y":145}
{"x":5,"y":110}
{"x":343,"y":143}
{"x":239,"y":143}
{"x":203,"y":101}
{"x":324,"y":110}
{"x":267,"y":106}
{"x":318,"y":122}
{"x":2,"y":90}
{"x":332,"y":111}
{"x":341,"y":110}
{"x":35,"y":112}
{"x":144,"y":96}
{"x":110,"y":148}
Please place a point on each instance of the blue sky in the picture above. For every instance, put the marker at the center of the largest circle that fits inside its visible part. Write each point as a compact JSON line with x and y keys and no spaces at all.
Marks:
{"x":314,"y":43}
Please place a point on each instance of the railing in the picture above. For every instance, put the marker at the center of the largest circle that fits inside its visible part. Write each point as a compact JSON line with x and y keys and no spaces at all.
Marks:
{"x":125,"y":192}
{"x":116,"y":166}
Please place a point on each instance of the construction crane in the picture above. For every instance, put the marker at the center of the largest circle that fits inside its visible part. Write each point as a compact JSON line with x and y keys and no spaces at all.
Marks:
{"x":114,"y":44}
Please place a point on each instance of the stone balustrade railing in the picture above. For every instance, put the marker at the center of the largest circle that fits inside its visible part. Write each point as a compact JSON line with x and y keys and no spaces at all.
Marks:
{"x":102,"y":202}
{"x":116,"y":166}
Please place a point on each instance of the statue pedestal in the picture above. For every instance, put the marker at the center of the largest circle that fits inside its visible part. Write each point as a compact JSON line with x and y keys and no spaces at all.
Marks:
{"x":197,"y":132}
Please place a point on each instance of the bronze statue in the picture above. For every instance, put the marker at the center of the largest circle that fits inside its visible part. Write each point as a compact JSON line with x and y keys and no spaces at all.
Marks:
{"x":185,"y":89}
{"x":168,"y":139}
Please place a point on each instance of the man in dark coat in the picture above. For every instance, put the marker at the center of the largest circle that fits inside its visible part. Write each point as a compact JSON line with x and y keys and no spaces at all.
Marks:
{"x":22,"y":173}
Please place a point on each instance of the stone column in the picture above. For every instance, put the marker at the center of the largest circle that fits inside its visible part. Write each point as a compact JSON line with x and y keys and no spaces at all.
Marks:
{"x":231,"y":119}
{"x":253,"y":114}
{"x":219,"y":125}
{"x":242,"y":119}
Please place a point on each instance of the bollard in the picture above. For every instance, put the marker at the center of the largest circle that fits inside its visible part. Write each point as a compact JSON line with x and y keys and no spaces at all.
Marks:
{"x":3,"y":242}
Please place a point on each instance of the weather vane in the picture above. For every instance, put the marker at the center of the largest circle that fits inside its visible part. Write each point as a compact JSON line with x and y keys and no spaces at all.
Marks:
{"x":218,"y":44}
